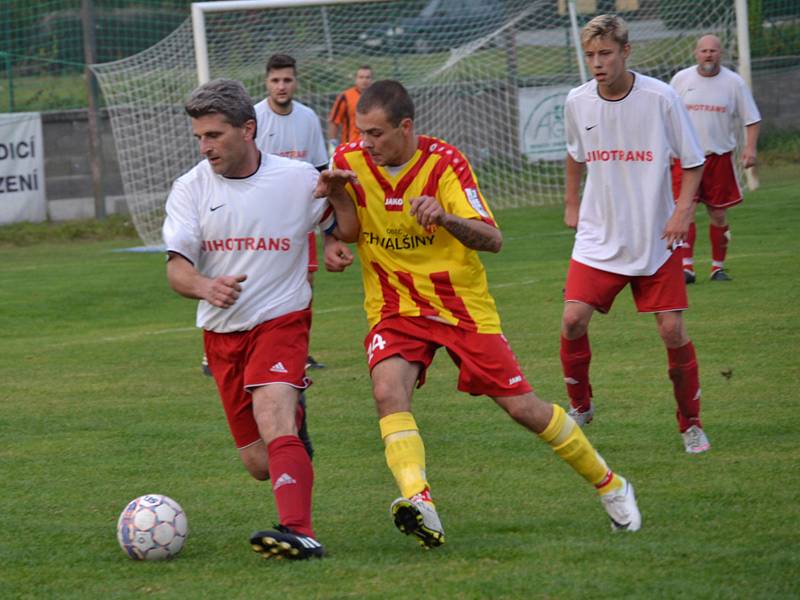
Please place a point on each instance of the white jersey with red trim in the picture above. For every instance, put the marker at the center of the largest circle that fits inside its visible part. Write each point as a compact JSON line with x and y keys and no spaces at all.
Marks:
{"x":297,"y":135}
{"x":255,"y":226}
{"x":627,"y":145}
{"x":716,"y":105}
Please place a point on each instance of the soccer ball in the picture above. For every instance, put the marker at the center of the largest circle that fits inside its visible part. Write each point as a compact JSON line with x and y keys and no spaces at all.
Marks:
{"x":152,"y":527}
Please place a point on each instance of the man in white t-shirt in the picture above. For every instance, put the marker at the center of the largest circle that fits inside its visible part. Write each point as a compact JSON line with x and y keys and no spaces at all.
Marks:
{"x":236,"y":236}
{"x":624,"y":128}
{"x":717,"y":100}
{"x":289,"y":128}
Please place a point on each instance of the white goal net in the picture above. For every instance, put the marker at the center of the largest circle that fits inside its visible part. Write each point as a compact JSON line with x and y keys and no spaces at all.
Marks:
{"x":489,"y":76}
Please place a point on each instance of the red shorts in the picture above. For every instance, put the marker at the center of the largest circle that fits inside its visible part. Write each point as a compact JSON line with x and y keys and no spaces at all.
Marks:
{"x":718,"y":187}
{"x":662,"y":291}
{"x":313,"y":263}
{"x":273,"y":352}
{"x":485,"y":360}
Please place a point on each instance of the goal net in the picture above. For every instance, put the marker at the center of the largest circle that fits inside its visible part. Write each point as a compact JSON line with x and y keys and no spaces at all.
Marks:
{"x":489,"y":76}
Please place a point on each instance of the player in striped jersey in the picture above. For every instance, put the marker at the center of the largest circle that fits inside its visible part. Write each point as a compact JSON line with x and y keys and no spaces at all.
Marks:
{"x":423,"y":221}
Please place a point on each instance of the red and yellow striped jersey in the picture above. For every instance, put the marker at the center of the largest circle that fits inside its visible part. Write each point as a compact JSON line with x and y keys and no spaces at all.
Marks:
{"x":407,"y":270}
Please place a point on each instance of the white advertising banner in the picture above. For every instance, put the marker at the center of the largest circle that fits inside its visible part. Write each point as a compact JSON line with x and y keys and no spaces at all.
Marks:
{"x":541,"y":122}
{"x":22,"y":193}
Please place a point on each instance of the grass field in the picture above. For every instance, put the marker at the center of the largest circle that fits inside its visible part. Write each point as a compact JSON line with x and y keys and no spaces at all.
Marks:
{"x":102,"y":400}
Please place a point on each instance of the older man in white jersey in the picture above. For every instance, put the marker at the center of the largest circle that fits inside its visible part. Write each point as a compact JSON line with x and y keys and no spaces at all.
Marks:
{"x":717,"y":100}
{"x":624,"y":127}
{"x":236,"y":236}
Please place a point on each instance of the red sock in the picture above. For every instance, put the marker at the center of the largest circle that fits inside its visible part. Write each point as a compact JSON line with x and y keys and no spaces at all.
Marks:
{"x":292,"y":478}
{"x":685,"y":378}
{"x":688,"y":248}
{"x":575,"y":358}
{"x":719,"y":244}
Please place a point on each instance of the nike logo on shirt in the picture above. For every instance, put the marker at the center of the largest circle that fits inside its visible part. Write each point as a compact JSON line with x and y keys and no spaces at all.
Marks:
{"x":590,"y":127}
{"x":213,"y":208}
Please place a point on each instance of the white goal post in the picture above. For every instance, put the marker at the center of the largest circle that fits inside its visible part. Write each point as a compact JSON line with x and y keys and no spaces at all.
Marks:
{"x":489,"y":76}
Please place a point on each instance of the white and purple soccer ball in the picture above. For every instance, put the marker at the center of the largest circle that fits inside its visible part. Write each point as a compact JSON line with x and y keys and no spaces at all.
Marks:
{"x":152,"y":527}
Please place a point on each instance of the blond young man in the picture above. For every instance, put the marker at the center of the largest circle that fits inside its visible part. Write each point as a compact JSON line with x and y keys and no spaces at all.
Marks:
{"x":623,"y":128}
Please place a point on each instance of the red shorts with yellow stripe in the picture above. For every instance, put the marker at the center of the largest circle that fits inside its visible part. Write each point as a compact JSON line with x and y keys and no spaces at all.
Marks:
{"x":486,"y":363}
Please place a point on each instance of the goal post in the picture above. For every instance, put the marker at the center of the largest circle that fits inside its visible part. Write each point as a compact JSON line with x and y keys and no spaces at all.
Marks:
{"x":488,"y":76}
{"x":200,"y":9}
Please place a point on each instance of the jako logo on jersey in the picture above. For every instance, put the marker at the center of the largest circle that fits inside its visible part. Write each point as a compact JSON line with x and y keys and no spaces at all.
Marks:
{"x":248,"y":243}
{"x":377,"y":343}
{"x":620,"y":155}
{"x":393,"y":203}
{"x":514,"y":380}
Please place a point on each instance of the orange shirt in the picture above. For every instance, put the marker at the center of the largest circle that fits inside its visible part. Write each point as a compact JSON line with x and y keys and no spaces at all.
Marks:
{"x":407,"y":270}
{"x":343,"y":113}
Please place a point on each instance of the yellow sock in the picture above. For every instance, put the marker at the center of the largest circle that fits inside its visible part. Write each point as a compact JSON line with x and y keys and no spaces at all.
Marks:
{"x":568,"y":441}
{"x":405,"y":452}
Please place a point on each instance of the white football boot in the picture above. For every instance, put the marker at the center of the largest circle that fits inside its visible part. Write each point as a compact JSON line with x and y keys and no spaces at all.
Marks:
{"x":621,"y":508}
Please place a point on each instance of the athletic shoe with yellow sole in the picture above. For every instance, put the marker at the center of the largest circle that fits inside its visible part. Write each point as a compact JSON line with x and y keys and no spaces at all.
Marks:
{"x":417,"y":516}
{"x":282,"y":542}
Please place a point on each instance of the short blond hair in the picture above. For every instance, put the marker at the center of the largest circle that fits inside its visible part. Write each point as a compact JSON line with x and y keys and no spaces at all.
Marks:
{"x":605,"y":26}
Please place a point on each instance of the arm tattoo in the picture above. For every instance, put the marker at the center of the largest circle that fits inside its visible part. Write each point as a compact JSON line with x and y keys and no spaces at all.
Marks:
{"x":471,"y":236}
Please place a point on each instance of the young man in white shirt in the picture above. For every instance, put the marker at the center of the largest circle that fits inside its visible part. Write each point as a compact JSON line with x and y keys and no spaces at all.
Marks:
{"x":624,"y":128}
{"x":717,"y":99}
{"x":236,"y":236}
{"x":289,"y":128}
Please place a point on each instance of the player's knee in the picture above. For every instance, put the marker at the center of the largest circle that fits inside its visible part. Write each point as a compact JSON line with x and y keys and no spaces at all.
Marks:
{"x":528,"y":410}
{"x":573,"y":325}
{"x":673,"y":333}
{"x":389,"y":395}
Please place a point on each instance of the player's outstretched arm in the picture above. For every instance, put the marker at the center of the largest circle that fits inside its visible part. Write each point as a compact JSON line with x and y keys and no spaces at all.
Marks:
{"x":221,"y":292}
{"x":473,"y":233}
{"x":677,"y":227}
{"x":572,"y":197}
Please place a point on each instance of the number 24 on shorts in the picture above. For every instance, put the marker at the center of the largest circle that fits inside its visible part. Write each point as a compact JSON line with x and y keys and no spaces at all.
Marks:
{"x":377,"y":343}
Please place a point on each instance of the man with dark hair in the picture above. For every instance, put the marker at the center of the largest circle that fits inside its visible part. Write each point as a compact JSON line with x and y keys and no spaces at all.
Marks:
{"x":235,"y":234}
{"x":423,"y":221}
{"x":289,"y":128}
{"x":624,"y":128}
{"x":342,"y":118}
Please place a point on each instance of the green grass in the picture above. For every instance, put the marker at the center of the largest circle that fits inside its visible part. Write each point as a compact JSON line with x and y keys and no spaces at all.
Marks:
{"x":26,"y":233}
{"x":102,"y":400}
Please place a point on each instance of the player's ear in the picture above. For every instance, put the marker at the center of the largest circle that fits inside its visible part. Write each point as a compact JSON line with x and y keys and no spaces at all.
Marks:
{"x":407,"y":125}
{"x":626,"y":51}
{"x":249,"y":129}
